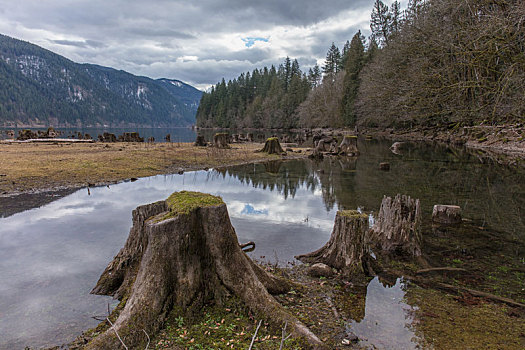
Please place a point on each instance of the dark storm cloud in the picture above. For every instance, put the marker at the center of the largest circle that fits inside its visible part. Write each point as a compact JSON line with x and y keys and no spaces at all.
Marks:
{"x":198,"y":42}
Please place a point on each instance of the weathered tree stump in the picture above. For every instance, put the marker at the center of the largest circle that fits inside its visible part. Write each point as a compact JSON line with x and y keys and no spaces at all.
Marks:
{"x":384,"y":166}
{"x":200,"y":141}
{"x":167,"y":138}
{"x":249,"y":137}
{"x":272,"y":146}
{"x":446,"y":214}
{"x":220,"y":140}
{"x":183,"y":253}
{"x":397,"y":147}
{"x":348,"y":146}
{"x":398,"y":226}
{"x":347,"y":248}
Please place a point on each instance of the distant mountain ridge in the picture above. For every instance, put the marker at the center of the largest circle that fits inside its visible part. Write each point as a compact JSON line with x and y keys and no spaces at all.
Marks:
{"x":41,"y":88}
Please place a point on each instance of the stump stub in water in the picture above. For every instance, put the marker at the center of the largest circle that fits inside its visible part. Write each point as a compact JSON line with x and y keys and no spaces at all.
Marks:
{"x":348,"y":146}
{"x":220,"y":140}
{"x":181,"y":254}
{"x":446,"y":214}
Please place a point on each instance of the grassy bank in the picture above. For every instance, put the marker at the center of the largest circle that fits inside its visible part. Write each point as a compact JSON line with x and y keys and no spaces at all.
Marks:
{"x":31,"y":167}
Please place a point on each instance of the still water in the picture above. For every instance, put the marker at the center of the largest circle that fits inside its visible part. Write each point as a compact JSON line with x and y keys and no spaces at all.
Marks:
{"x":52,"y":255}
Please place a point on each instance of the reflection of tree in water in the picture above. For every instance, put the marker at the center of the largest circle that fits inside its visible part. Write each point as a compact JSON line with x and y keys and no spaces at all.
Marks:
{"x":284,"y":177}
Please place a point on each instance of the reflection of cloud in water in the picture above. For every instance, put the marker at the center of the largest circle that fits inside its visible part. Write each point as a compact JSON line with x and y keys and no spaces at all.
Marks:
{"x":250,"y":210}
{"x":387,"y":320}
{"x":53,"y":255}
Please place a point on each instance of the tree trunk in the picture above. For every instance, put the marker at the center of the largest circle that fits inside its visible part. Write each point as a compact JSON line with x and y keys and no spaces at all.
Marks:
{"x":346,"y":250}
{"x":272,"y":146}
{"x":183,"y":253}
{"x":398,"y":226}
{"x":200,"y":141}
{"x":220,"y":140}
{"x":348,"y":146}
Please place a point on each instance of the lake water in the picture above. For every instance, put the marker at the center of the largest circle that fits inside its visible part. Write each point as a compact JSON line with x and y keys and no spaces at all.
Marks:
{"x":52,"y":255}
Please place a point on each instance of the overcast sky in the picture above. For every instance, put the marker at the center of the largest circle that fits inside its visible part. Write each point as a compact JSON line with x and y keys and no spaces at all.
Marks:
{"x":198,"y":42}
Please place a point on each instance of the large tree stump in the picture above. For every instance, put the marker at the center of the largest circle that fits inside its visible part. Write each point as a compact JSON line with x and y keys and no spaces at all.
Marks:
{"x":347,"y":249}
{"x":272,"y":146}
{"x":183,"y":253}
{"x":220,"y":140}
{"x":348,"y":146}
{"x":398,"y":226}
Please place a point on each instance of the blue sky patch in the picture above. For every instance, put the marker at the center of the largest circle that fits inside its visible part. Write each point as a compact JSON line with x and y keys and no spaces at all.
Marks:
{"x":249,"y":42}
{"x":250,"y":210}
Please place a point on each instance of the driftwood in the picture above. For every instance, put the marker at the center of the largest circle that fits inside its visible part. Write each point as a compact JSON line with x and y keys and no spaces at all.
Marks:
{"x":272,"y":146}
{"x":434,"y":269}
{"x":220,"y":140}
{"x":183,"y":253}
{"x":346,"y":250}
{"x":348,"y":146}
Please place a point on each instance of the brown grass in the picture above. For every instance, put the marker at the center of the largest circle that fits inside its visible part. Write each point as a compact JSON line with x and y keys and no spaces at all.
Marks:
{"x":30,"y":166}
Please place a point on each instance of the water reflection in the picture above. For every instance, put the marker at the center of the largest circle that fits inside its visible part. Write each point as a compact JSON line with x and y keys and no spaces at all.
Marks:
{"x":51,"y":256}
{"x":387,"y":323}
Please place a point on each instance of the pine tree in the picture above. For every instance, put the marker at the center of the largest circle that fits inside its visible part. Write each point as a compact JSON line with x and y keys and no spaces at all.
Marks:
{"x":354,"y":63}
{"x":380,"y":23}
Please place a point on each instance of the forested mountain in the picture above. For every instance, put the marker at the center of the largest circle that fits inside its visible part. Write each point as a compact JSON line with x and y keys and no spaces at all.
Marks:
{"x":435,"y":63}
{"x":41,"y":88}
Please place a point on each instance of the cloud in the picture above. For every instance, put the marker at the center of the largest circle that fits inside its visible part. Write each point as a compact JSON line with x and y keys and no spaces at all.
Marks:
{"x":198,"y":42}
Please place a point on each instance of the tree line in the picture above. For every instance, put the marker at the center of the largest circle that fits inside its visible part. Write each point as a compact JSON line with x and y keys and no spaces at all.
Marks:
{"x":435,"y":63}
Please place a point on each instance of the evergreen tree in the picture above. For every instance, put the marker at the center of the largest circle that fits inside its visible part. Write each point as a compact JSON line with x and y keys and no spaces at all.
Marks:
{"x":354,"y":63}
{"x":380,"y":23}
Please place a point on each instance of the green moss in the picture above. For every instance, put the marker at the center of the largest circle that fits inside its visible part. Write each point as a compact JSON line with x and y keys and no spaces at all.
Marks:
{"x":353,"y":214}
{"x":350,"y":136}
{"x":184,"y":202}
{"x":272,"y":139}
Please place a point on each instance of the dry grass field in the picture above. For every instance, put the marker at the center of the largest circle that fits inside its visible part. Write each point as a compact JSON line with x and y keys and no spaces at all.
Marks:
{"x":30,"y":166}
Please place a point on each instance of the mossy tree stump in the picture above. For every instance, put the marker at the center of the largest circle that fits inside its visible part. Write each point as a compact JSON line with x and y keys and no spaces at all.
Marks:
{"x":398,"y":226}
{"x":347,"y":248}
{"x":183,"y":253}
{"x":348,"y":146}
{"x":272,"y":146}
{"x":220,"y":140}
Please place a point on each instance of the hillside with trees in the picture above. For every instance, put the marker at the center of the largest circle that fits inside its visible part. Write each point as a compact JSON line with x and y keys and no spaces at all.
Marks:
{"x":435,"y":63}
{"x":41,"y":88}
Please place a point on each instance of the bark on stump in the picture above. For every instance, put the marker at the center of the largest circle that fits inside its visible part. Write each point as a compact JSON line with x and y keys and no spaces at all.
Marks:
{"x":220,"y":140}
{"x":446,"y":214}
{"x":200,"y":141}
{"x":348,"y":146}
{"x":347,"y":249}
{"x":272,"y":146}
{"x":398,"y":226}
{"x":183,"y":253}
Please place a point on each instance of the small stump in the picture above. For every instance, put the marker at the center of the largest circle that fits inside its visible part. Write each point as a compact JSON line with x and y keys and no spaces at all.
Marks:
{"x":397,"y":147}
{"x":398,"y":226}
{"x":200,"y":141}
{"x":220,"y":140}
{"x":346,"y":250}
{"x":181,"y":254}
{"x":384,"y":166}
{"x":272,"y":146}
{"x":446,"y":214}
{"x":348,"y":146}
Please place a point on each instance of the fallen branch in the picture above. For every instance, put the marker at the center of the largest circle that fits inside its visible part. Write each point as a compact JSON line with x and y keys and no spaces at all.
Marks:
{"x":432,"y":269}
{"x":255,"y":335}
{"x":329,"y":301}
{"x":283,"y":339}
{"x":118,"y":336}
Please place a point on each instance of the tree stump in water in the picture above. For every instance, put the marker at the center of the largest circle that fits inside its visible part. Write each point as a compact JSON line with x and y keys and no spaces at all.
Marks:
{"x":183,"y":253}
{"x":220,"y":140}
{"x":446,"y":214}
{"x":200,"y":141}
{"x":346,"y":250}
{"x":272,"y":146}
{"x":348,"y":146}
{"x":398,"y":226}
